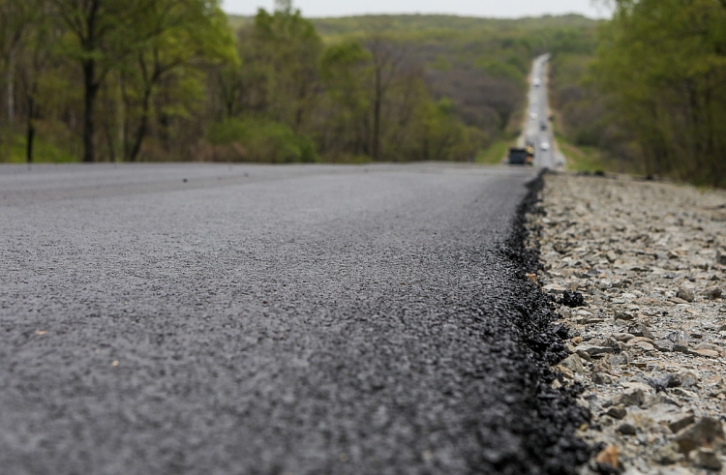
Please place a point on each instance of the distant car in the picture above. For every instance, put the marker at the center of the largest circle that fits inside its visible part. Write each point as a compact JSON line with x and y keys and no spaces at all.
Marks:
{"x":543,"y":125}
{"x":536,"y":82}
{"x":544,"y":146}
{"x":533,"y":115}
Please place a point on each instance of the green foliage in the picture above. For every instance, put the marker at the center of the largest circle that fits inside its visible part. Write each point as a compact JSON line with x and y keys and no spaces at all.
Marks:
{"x":479,"y":65}
{"x":262,"y":141}
{"x":661,"y":64}
{"x":440,"y":63}
{"x":580,"y":107}
{"x":190,"y":36}
{"x":443,"y":136}
{"x":53,"y":147}
{"x":281,"y":53}
{"x":495,"y":153}
{"x":499,"y":69}
{"x":362,"y":81}
{"x":342,"y":55}
{"x":345,"y":72}
{"x":404,"y":24}
{"x":579,"y":41}
{"x":170,"y":80}
{"x":583,"y":158}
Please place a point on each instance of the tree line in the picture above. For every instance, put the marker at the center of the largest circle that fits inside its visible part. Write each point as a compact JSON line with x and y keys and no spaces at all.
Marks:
{"x":292,"y":98}
{"x":652,"y":91}
{"x":89,"y":75}
{"x":130,"y":80}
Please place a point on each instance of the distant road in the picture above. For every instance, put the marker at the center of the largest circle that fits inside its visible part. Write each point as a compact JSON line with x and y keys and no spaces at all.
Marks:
{"x":214,"y":319}
{"x":538,"y":129}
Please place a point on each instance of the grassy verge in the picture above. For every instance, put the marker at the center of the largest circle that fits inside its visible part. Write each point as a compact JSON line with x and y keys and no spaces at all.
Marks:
{"x":589,"y":159}
{"x":581,"y":159}
{"x":495,"y":153}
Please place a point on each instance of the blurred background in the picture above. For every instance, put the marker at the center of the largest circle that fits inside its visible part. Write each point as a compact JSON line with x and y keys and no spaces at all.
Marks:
{"x":634,"y":85}
{"x":485,"y":8}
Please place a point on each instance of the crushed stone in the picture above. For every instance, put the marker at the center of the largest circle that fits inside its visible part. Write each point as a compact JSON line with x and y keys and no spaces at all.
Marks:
{"x":648,"y":342}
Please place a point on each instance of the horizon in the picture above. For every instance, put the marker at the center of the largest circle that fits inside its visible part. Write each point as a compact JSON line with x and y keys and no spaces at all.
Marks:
{"x":513,"y":10}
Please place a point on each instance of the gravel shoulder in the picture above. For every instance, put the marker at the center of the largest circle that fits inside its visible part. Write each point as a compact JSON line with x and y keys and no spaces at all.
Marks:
{"x":648,"y":340}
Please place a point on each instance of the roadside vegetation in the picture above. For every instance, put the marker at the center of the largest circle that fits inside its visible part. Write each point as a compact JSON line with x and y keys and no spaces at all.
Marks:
{"x":495,"y":153}
{"x":107,"y":79}
{"x":150,"y":80}
{"x":142,"y":80}
{"x":647,"y":93}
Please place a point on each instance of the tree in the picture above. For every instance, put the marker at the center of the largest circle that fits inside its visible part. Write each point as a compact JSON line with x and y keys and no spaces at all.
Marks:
{"x":16,"y":18}
{"x":229,"y":79}
{"x":662,"y":65}
{"x":345,"y":70}
{"x":163,"y":79}
{"x":190,"y":35}
{"x":103,"y":34}
{"x":387,"y":59}
{"x":34,"y":66}
{"x":283,"y":51}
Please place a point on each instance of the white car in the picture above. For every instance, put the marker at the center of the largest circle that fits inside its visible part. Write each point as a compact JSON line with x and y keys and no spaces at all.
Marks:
{"x":544,"y":146}
{"x":536,"y":82}
{"x":533,"y":115}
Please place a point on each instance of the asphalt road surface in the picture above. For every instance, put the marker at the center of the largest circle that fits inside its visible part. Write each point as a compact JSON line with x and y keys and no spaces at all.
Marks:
{"x":214,"y":319}
{"x":538,"y":129}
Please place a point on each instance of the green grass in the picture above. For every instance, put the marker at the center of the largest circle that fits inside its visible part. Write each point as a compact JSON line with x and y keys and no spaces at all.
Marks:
{"x":590,"y":159}
{"x":581,"y":159}
{"x":43,"y":152}
{"x":494,"y":153}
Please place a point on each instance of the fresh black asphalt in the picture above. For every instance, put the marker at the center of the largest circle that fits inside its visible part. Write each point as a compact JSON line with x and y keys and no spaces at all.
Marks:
{"x":215,"y":319}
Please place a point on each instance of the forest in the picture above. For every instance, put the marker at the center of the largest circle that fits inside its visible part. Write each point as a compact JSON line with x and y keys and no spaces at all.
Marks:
{"x":162,"y":80}
{"x":179,"y":80}
{"x":649,"y":91}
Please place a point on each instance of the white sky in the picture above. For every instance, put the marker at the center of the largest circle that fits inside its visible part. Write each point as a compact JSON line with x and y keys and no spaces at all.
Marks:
{"x":479,"y":8}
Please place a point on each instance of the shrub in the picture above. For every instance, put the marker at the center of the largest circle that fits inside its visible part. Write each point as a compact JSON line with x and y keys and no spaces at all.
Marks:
{"x":260,"y":141}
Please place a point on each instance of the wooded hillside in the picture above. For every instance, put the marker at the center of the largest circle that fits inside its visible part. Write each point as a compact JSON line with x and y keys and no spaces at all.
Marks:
{"x":651,"y":90}
{"x":103,"y":80}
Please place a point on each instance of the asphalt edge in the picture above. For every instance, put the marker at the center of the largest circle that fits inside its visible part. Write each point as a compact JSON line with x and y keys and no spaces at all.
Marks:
{"x":552,"y":442}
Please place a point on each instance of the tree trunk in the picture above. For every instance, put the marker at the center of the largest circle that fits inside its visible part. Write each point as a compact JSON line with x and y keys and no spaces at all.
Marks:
{"x":11,"y":86}
{"x":143,"y":126}
{"x":712,"y":156}
{"x":375,"y":147}
{"x":299,"y":108}
{"x":91,"y":90}
{"x":126,"y":126}
{"x":697,"y":132}
{"x":30,"y":130}
{"x":108,"y":132}
{"x":91,"y":85}
{"x":121,"y":115}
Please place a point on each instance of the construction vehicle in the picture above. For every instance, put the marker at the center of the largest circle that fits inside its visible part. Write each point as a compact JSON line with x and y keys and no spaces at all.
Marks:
{"x":521,"y":156}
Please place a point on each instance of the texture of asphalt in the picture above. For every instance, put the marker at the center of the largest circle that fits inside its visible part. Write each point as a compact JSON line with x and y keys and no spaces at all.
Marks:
{"x":214,"y":319}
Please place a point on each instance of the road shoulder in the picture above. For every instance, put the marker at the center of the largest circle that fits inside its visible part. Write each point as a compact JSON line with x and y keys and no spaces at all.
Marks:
{"x":648,"y":342}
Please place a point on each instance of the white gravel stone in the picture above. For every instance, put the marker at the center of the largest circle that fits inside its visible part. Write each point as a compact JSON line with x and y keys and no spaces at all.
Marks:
{"x":649,"y":346}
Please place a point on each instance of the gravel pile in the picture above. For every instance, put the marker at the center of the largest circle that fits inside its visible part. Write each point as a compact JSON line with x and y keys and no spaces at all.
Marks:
{"x":638,"y":270}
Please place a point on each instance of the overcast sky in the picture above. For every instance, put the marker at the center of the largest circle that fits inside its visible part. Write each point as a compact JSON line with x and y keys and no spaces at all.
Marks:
{"x":480,"y":8}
